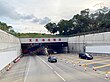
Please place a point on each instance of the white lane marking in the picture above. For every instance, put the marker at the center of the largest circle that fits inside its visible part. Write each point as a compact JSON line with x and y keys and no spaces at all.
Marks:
{"x":27,"y":70}
{"x":52,"y":68}
{"x":60,"y":76}
{"x":46,"y":63}
{"x":18,"y":80}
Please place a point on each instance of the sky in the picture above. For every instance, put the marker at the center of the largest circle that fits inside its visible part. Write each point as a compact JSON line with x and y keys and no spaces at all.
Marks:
{"x":32,"y":15}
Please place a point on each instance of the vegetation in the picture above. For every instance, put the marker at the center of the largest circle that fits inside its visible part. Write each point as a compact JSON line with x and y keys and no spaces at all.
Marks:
{"x":83,"y":23}
{"x":36,"y":35}
{"x":9,"y":29}
{"x":6,"y":28}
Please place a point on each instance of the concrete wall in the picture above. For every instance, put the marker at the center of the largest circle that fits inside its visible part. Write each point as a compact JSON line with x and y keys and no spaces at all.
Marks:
{"x":10,"y":48}
{"x":98,"y":49}
{"x":82,"y":43}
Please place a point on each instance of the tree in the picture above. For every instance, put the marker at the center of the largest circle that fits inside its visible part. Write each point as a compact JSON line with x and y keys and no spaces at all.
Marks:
{"x":51,"y":27}
{"x":105,"y":22}
{"x":6,"y":28}
{"x":99,"y":19}
{"x":64,"y":27}
{"x":85,"y":12}
{"x":12,"y":32}
{"x":83,"y":22}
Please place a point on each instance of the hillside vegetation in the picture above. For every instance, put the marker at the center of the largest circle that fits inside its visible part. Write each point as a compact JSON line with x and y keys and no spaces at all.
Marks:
{"x":83,"y":23}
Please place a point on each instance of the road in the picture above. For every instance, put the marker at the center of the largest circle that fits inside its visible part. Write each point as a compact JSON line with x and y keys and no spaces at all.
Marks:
{"x":38,"y":69}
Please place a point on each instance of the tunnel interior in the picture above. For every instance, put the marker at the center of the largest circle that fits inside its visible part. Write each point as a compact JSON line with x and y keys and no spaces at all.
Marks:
{"x":38,"y":48}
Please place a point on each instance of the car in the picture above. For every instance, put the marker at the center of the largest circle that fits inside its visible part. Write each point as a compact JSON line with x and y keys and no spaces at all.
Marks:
{"x":85,"y":56}
{"x":52,"y":59}
{"x":55,"y":52}
{"x":50,"y":51}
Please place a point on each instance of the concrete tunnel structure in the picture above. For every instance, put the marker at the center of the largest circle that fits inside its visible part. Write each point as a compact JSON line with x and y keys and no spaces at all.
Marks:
{"x":10,"y":46}
{"x":60,"y":45}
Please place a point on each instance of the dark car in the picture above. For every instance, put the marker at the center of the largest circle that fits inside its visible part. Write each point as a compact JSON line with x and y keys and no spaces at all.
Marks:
{"x":85,"y":56}
{"x":52,"y":59}
{"x":51,"y":51}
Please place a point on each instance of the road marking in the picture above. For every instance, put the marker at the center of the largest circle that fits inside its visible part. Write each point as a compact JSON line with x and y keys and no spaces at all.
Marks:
{"x":59,"y":76}
{"x":18,"y":80}
{"x":52,"y":68}
{"x":102,"y":66}
{"x":46,"y":63}
{"x":109,"y":72}
{"x":95,"y":62}
{"x":100,"y":58}
{"x":27,"y":70}
{"x":92,"y":60}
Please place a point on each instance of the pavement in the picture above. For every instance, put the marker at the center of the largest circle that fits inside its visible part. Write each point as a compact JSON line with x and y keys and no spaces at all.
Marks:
{"x":69,"y":68}
{"x":101,"y":63}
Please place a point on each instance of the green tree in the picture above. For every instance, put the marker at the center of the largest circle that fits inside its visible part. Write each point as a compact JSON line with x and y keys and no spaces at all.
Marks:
{"x":51,"y":27}
{"x":105,"y":22}
{"x":64,"y":27}
{"x":6,"y":28}
{"x":81,"y":21}
{"x":11,"y":31}
{"x":98,"y":21}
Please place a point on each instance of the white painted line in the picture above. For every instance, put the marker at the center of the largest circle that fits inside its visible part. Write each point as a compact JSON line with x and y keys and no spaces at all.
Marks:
{"x":52,"y":68}
{"x":27,"y":71}
{"x":60,"y":76}
{"x":18,"y":80}
{"x":46,"y":63}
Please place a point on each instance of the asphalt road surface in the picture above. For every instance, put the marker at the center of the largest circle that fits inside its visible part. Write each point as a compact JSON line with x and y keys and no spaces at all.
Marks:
{"x":38,"y":69}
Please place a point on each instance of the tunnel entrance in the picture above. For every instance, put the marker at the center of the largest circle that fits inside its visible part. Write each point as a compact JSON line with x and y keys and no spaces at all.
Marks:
{"x":39,"y":48}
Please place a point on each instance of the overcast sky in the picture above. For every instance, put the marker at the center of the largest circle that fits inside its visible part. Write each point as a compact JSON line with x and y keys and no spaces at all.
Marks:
{"x":32,"y":15}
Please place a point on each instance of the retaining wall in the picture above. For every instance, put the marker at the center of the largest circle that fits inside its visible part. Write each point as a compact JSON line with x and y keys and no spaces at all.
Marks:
{"x":10,"y":48}
{"x":82,"y":43}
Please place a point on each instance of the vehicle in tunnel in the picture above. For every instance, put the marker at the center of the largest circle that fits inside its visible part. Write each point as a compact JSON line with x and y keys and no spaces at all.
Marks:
{"x":43,"y":48}
{"x":41,"y":51}
{"x":51,"y":51}
{"x":29,"y":49}
{"x":25,"y":51}
{"x":45,"y":51}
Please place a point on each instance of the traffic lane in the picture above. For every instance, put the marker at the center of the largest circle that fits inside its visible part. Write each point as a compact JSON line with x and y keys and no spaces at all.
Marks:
{"x":94,"y":65}
{"x":96,"y":62}
{"x":67,"y":56}
{"x":38,"y":71}
{"x":16,"y":73}
{"x":93,"y":61}
{"x":75,"y":58}
{"x":102,"y":65}
{"x":70,"y":74}
{"x":107,"y":68}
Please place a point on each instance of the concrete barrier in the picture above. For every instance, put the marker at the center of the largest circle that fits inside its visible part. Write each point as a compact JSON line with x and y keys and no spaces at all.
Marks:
{"x":10,"y":49}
